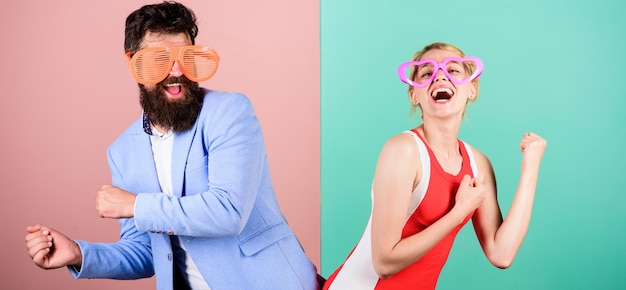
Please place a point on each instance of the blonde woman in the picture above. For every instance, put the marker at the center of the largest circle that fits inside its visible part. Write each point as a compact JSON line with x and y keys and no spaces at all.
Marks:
{"x":428,"y":184}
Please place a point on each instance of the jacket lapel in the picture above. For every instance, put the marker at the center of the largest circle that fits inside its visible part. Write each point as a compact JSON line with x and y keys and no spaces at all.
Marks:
{"x":180,"y":155}
{"x":142,"y":152}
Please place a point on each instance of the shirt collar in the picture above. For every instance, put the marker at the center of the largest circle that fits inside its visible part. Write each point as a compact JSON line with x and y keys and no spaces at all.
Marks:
{"x":146,"y":124}
{"x":150,"y":130}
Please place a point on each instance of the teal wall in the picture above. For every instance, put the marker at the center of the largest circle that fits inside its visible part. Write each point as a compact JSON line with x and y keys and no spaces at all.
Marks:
{"x":557,"y":68}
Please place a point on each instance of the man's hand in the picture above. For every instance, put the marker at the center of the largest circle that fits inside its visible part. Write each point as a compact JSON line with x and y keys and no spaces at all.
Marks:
{"x":114,"y":202}
{"x":50,"y":249}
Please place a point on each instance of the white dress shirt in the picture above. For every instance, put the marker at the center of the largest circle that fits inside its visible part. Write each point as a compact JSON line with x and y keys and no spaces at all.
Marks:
{"x":162,"y":145}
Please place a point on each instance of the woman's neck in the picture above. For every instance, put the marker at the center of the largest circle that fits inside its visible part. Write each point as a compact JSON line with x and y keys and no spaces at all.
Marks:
{"x":442,"y":137}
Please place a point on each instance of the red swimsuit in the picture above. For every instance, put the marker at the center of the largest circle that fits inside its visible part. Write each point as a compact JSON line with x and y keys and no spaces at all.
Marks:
{"x":438,"y":199}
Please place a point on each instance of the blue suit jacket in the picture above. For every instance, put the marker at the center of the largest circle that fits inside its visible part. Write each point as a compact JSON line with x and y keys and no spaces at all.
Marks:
{"x":223,"y":208}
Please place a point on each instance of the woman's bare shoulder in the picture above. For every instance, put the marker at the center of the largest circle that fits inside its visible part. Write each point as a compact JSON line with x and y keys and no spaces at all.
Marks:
{"x":403,"y":143}
{"x":482,"y":161}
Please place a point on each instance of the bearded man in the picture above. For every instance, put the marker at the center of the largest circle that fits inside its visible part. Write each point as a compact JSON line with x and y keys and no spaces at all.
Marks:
{"x":191,"y":185}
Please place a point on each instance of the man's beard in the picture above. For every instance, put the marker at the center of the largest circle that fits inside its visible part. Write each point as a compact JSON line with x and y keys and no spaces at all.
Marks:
{"x":176,"y":114}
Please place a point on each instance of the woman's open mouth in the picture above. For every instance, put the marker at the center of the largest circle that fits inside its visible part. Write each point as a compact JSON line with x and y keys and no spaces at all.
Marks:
{"x":441,"y":95}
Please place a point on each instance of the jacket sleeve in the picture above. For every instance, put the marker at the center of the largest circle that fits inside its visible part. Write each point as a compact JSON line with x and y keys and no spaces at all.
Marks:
{"x":128,"y":258}
{"x":221,"y":186}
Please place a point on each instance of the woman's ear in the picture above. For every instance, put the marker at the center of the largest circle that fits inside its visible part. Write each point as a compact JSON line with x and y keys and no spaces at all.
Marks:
{"x":413,"y":97}
{"x":473,"y":91}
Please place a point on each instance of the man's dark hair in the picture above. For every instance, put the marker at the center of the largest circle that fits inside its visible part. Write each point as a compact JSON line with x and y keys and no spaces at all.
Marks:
{"x":167,"y":18}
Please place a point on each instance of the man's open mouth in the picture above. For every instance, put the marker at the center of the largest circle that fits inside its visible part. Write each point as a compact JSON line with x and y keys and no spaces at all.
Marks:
{"x":174,"y":88}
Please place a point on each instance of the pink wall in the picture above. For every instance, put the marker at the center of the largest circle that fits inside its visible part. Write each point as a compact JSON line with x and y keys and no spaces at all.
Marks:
{"x":67,"y":95}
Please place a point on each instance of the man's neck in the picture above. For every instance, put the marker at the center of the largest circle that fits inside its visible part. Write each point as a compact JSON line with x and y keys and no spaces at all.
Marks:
{"x":161,"y":129}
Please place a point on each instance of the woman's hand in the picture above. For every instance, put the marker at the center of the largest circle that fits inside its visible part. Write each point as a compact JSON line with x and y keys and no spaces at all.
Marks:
{"x":532,"y":147}
{"x":470,"y":194}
